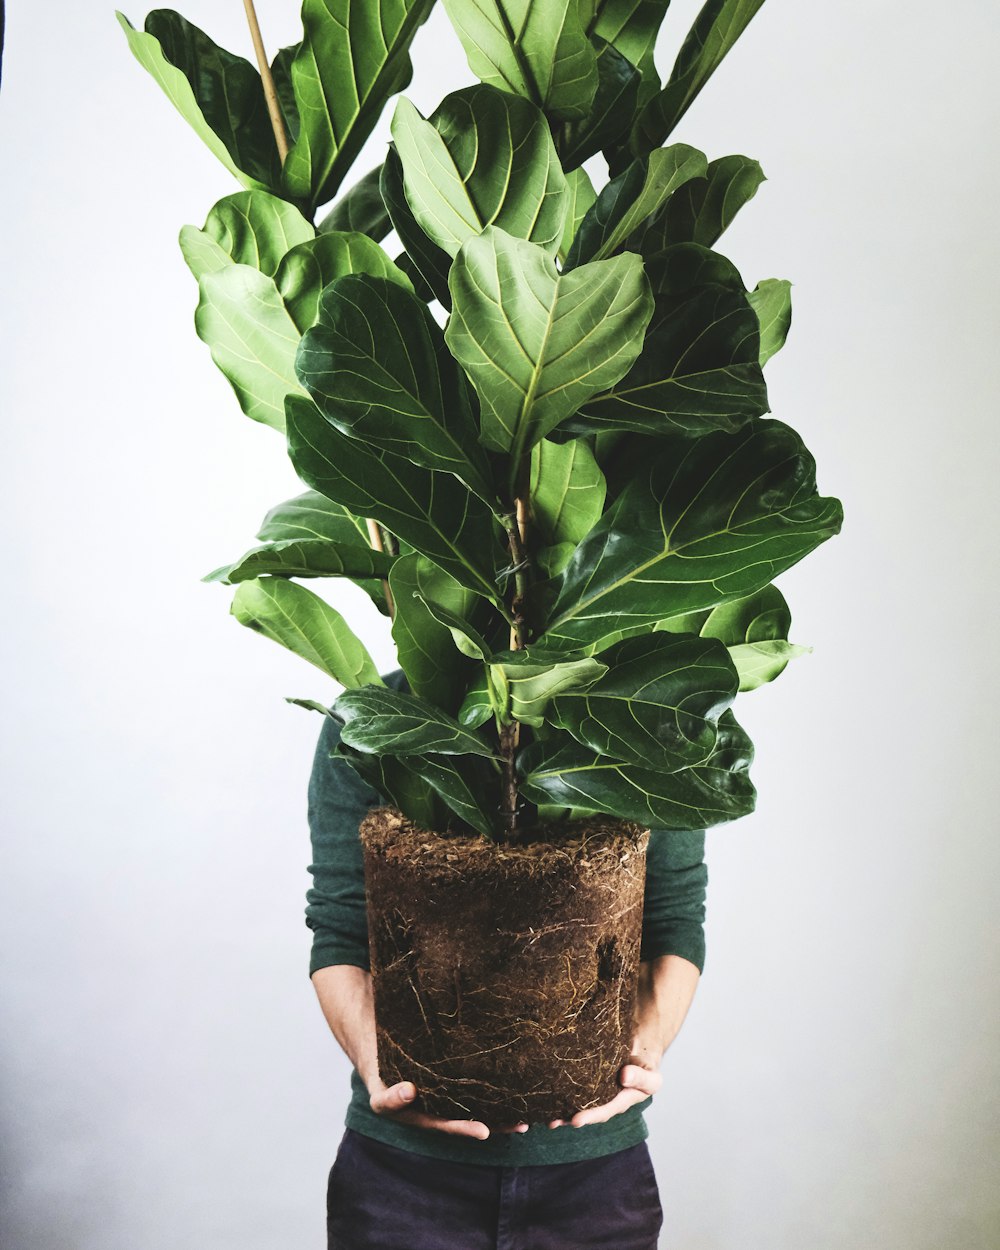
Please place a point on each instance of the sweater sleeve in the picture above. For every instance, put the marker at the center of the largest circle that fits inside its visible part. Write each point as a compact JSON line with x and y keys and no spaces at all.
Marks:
{"x":335,"y":903}
{"x":674,"y":906}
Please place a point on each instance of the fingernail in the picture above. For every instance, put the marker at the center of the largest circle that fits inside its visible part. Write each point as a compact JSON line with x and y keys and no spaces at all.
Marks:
{"x":408,"y":1093}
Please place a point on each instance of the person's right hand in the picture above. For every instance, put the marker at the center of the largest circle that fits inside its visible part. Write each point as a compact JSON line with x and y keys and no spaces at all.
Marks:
{"x":397,"y":1101}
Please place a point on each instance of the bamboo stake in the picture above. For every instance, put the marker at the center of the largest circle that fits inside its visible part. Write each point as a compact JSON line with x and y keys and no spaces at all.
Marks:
{"x":267,"y":78}
{"x":375,"y":538}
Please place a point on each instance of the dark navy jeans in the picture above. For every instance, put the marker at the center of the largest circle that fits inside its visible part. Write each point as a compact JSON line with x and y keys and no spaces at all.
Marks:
{"x":382,"y":1198}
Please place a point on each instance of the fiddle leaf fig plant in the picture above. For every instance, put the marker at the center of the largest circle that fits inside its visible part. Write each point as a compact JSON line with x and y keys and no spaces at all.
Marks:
{"x":533,"y":426}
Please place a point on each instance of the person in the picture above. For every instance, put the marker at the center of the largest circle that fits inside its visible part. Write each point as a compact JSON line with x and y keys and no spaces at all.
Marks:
{"x":405,"y":1180}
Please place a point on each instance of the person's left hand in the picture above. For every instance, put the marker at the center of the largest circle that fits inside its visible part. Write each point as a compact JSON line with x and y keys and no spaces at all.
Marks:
{"x":639,"y":1079}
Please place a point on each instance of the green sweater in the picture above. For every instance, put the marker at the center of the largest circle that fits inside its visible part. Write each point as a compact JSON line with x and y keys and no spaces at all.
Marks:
{"x":673,"y":923}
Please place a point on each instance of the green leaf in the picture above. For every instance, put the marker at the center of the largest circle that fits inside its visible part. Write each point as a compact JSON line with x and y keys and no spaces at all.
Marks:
{"x":360,"y":209}
{"x":352,"y":58}
{"x":716,"y":28}
{"x":482,"y":158}
{"x":581,"y":197}
{"x":395,"y":779}
{"x":560,"y":770}
{"x":296,"y":557}
{"x":251,"y":228}
{"x":388,"y":722}
{"x":657,"y":704}
{"x":477,"y":706}
{"x":771,"y":300}
{"x":463,"y":782}
{"x":538,"y":344}
{"x":532,"y":48}
{"x":220,"y":95}
{"x":377,"y":367}
{"x":252,"y":338}
{"x":567,"y":492}
{"x":611,"y":115}
{"x":430,"y":261}
{"x":464,"y":636}
{"x":632,"y":26}
{"x":760,"y":662}
{"x":304,"y":623}
{"x":703,"y":208}
{"x":424,"y":645}
{"x":702,"y":521}
{"x":532,"y":679}
{"x":432,"y":511}
{"x":699,"y":368}
{"x":308,"y":268}
{"x":626,"y":201}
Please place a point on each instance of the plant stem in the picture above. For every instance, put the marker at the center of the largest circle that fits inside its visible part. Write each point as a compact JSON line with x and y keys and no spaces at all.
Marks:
{"x":267,"y":78}
{"x":375,"y":538}
{"x":510,"y":733}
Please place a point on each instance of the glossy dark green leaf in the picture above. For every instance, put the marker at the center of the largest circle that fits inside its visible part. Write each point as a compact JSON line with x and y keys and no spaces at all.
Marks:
{"x":716,"y":28}
{"x":352,"y":58}
{"x":536,"y":343}
{"x":430,"y":261}
{"x":464,"y":635}
{"x":703,"y":208}
{"x":632,"y":26}
{"x":432,"y":511}
{"x":567,"y":491}
{"x":297,"y":557}
{"x":705,"y":520}
{"x":360,"y":209}
{"x":309,"y":267}
{"x":482,"y":158}
{"x":377,"y":366}
{"x":612,"y":112}
{"x":465,"y":783}
{"x":292,"y":615}
{"x":771,"y":300}
{"x":635,"y":195}
{"x":560,"y":770}
{"x":383,"y":721}
{"x":657,"y":704}
{"x":699,"y":369}
{"x":580,"y":199}
{"x":537,"y":49}
{"x":220,"y":95}
{"x":395,"y":779}
{"x":424,"y":645}
{"x":477,"y":706}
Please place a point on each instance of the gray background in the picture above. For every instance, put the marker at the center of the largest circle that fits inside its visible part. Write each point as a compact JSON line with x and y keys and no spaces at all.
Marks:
{"x":168,"y":1079}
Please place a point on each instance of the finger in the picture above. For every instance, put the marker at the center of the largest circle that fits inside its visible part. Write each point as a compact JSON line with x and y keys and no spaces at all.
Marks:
{"x":456,"y":1128}
{"x":393,"y":1098}
{"x":512,"y":1128}
{"x":598,"y":1115}
{"x":556,"y":1123}
{"x":633,"y":1076}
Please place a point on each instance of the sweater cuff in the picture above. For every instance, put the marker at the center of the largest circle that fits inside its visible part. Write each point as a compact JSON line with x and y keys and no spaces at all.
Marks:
{"x":326,"y":953}
{"x":687,"y":940}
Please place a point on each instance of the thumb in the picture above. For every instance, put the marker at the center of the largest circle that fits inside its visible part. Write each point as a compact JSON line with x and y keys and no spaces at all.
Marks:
{"x":393,"y":1098}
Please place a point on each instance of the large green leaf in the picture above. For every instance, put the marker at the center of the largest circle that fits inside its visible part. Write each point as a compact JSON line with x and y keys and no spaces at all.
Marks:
{"x":377,"y":366}
{"x":581,"y":197}
{"x":538,"y":344}
{"x":464,"y":783}
{"x":251,"y":228}
{"x":702,"y":521}
{"x":304,"y":623}
{"x":360,"y":209}
{"x":611,"y":114}
{"x":430,"y":510}
{"x":352,"y":58}
{"x":220,"y":95}
{"x":310,"y":557}
{"x":560,"y":770}
{"x":308,"y":268}
{"x":482,"y":158}
{"x":716,"y":28}
{"x":657,"y":704}
{"x":699,"y":369}
{"x":628,"y":200}
{"x":631,"y":26}
{"x":703,"y":208}
{"x":395,"y":779}
{"x":771,"y":300}
{"x":529,"y":681}
{"x":533,"y":48}
{"x":424,"y":645}
{"x":389,"y":722}
{"x":567,"y":492}
{"x":252,"y":338}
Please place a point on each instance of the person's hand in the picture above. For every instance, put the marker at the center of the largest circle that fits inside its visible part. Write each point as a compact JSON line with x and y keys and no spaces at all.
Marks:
{"x":397,"y":1101}
{"x":639,"y":1079}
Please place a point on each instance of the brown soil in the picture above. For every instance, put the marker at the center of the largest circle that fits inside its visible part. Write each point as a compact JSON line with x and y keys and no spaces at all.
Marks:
{"x":504,"y":975}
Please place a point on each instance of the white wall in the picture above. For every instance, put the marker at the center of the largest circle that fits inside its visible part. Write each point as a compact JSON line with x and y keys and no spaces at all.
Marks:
{"x":168,"y":1078}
